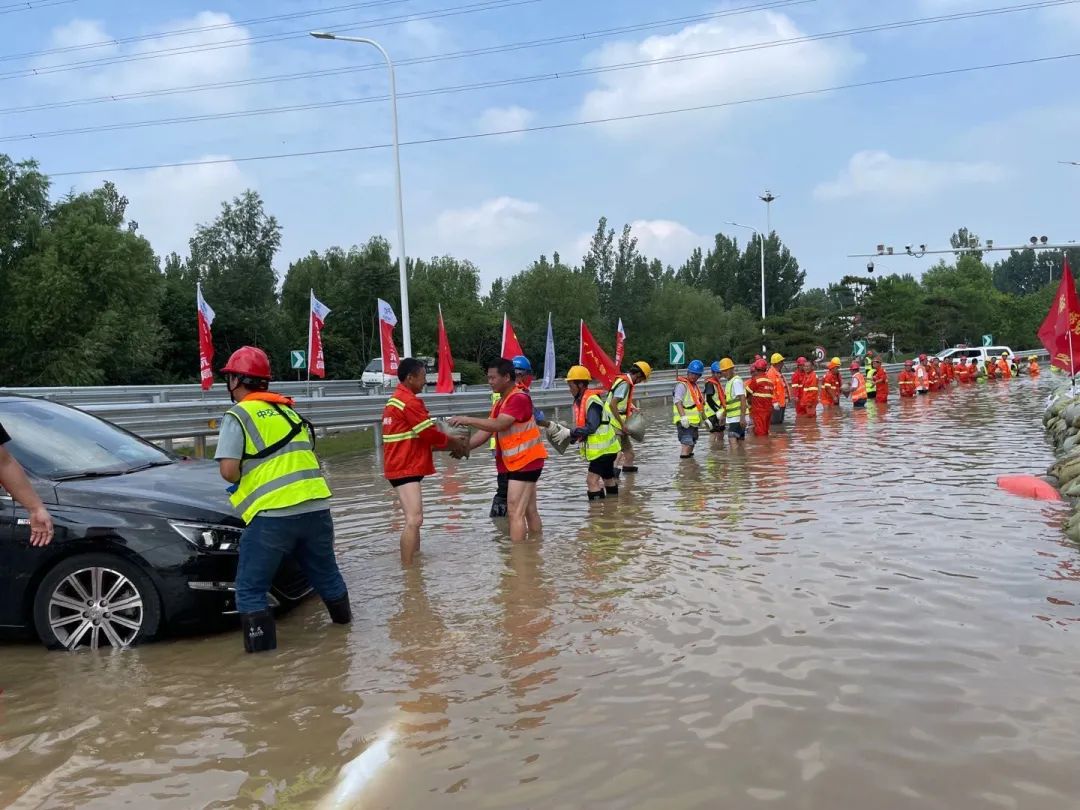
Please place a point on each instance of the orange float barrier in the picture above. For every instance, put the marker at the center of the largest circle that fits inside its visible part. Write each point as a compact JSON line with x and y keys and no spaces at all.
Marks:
{"x":1028,"y":486}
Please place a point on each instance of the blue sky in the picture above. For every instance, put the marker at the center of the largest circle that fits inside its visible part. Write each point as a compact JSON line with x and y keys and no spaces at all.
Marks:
{"x":894,"y":163}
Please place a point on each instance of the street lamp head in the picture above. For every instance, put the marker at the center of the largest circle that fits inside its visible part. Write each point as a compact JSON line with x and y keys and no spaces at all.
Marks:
{"x":322,"y":35}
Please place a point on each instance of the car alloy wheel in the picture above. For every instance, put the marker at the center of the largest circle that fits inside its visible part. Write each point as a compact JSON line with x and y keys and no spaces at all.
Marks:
{"x":95,"y":607}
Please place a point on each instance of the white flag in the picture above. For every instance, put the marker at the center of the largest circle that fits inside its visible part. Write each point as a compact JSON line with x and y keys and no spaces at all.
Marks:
{"x":549,"y":358}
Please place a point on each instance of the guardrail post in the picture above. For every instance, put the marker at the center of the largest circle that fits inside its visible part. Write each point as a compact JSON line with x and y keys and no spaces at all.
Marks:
{"x":200,"y":447}
{"x":377,"y":428}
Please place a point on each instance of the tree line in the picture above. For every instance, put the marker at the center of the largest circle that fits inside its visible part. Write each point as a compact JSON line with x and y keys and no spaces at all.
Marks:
{"x":88,"y":302}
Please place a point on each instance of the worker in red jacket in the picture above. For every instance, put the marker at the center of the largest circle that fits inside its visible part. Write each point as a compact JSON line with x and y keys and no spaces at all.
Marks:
{"x":409,"y":438}
{"x":760,"y":391}
{"x":809,"y":390}
{"x":881,"y":380}
{"x":907,"y":380}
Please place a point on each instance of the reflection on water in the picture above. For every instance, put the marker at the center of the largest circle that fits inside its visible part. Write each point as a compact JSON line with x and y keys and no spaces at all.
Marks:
{"x":845,"y":614}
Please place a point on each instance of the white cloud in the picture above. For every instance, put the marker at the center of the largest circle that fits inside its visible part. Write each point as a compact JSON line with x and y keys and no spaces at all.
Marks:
{"x":494,"y":223}
{"x":713,"y":79}
{"x":168,"y":203}
{"x":664,"y":239}
{"x":880,"y":174}
{"x":175,"y":70}
{"x":503,"y":119}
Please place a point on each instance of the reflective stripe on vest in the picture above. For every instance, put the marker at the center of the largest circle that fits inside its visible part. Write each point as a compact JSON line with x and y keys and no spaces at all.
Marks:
{"x":494,"y":399}
{"x":394,"y":438}
{"x":279,"y":468}
{"x":858,"y":387}
{"x":520,"y":443}
{"x":693,"y":403}
{"x":733,"y":406}
{"x":605,"y":441}
{"x":718,"y":389}
{"x":871,"y":385}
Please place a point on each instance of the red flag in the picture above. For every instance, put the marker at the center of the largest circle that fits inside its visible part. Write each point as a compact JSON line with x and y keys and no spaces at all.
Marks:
{"x":1060,"y":332}
{"x":316,"y":361}
{"x":594,"y":359}
{"x":445,"y":383}
{"x":510,"y":346}
{"x":206,"y":342}
{"x":620,"y":346}
{"x":387,"y":322}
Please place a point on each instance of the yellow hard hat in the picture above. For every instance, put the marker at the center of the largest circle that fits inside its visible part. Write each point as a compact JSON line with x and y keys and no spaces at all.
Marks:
{"x":644,"y":368}
{"x":834,"y":362}
{"x":1032,"y":358}
{"x":578,"y":374}
{"x":726,"y":364}
{"x":776,"y":358}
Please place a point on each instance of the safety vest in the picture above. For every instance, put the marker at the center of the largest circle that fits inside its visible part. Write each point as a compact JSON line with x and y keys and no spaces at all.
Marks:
{"x":858,"y":387}
{"x":279,"y":467}
{"x":808,"y":385}
{"x":721,"y":399}
{"x":494,"y":399}
{"x":732,"y":406}
{"x":871,"y":384}
{"x":906,"y":381}
{"x":1033,"y":369}
{"x":618,"y":410}
{"x":768,"y":391}
{"x":693,"y":403}
{"x":520,"y":443}
{"x":605,"y":441}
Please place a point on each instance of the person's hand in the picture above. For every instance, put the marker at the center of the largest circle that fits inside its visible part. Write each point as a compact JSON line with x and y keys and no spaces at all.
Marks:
{"x":579,"y":434}
{"x":539,"y":416}
{"x":41,"y":527}
{"x":458,"y":421}
{"x":685,"y":422}
{"x":742,"y":422}
{"x":775,"y":407}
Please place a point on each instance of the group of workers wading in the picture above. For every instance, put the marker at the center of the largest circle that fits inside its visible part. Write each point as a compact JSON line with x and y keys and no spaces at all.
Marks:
{"x":266,"y":450}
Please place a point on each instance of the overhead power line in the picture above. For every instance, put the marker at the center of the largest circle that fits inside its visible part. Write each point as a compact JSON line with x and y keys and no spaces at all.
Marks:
{"x":576,"y":124}
{"x":473,"y":52}
{"x":30,"y":5}
{"x":201,"y":29}
{"x":261,"y":39}
{"x":506,"y":82}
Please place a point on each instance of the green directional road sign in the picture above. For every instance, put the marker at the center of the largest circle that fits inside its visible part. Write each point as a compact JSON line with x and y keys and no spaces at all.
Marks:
{"x":298,"y":359}
{"x":677,"y":354}
{"x":988,"y":340}
{"x":859,"y":348}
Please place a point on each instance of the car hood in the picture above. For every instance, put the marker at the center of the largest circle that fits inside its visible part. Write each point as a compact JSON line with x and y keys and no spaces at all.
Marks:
{"x":189,"y":489}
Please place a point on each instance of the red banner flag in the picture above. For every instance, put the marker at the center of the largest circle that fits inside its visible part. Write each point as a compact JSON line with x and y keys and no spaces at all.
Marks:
{"x":445,"y":383}
{"x":594,"y":359}
{"x":1060,"y":332}
{"x":620,"y":346}
{"x":387,"y":322}
{"x":510,"y":346}
{"x":206,"y":341}
{"x":316,"y":361}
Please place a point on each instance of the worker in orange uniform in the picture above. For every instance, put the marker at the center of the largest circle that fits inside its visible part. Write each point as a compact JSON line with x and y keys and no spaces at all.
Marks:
{"x":947,"y":372}
{"x":1033,"y":366}
{"x":409,"y":437}
{"x":831,"y":385}
{"x":991,"y":368}
{"x":966,"y":372}
{"x":519,"y":448}
{"x":761,"y":391}
{"x":796,"y":384}
{"x":922,"y":376}
{"x":906,"y":380}
{"x":780,"y":390}
{"x":857,"y":389}
{"x":933,"y":375}
{"x":1003,"y":367}
{"x":881,"y":381}
{"x":808,"y":390}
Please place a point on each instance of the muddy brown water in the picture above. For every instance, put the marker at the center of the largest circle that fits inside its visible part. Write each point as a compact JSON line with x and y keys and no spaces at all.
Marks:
{"x":845,"y":615}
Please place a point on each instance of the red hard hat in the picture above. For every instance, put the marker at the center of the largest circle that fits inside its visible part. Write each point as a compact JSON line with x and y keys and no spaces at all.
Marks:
{"x":854,"y":366}
{"x":922,"y":357}
{"x":248,"y":361}
{"x":801,"y":360}
{"x":909,"y":362}
{"x":760,"y":365}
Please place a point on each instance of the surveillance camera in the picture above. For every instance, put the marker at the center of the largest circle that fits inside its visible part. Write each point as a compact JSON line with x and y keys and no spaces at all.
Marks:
{"x":869,"y":267}
{"x":1043,"y":239}
{"x":907,"y":248}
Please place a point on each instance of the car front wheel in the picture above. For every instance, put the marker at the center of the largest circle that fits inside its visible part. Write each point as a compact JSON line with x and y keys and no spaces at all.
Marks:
{"x":96,"y":600}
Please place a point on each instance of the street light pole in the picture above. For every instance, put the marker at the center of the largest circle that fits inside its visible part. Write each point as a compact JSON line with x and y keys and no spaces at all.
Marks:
{"x":406,"y":331}
{"x":761,"y":237}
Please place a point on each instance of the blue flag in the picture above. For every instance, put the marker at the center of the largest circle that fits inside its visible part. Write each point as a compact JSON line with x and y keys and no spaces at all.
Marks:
{"x":549,"y":358}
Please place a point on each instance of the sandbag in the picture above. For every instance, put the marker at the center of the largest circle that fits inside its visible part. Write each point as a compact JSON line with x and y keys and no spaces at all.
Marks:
{"x":558,"y":435}
{"x":635,"y":426}
{"x":1070,"y":442}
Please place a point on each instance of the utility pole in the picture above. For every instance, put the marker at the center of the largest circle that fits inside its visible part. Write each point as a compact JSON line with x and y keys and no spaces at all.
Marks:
{"x":768,"y":197}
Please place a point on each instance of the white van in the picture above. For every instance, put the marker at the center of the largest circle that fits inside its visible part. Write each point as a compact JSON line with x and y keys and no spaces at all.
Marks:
{"x":373,"y":376}
{"x":980,"y":353}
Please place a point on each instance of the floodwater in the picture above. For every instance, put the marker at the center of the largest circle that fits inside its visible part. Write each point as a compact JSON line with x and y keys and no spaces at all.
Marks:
{"x":845,"y":615}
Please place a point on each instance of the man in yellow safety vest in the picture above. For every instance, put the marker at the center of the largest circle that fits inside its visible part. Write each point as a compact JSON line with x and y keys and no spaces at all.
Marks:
{"x":592,"y":428}
{"x":620,"y":405}
{"x":688,"y":407}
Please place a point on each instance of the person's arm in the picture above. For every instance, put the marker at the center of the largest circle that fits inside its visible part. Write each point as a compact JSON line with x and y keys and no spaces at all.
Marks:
{"x":230,"y":448}
{"x":678,"y":395}
{"x":489,"y":426}
{"x":420,"y":421}
{"x":14,"y":480}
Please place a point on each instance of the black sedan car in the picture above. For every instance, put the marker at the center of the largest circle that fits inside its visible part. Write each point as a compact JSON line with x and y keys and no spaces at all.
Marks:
{"x":145,"y":541}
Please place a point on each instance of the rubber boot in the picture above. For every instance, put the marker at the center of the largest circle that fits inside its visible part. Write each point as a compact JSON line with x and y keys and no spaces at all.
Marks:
{"x":260,"y":632}
{"x":340,"y":610}
{"x":596,"y":496}
{"x":611,"y":490}
{"x":498,"y":503}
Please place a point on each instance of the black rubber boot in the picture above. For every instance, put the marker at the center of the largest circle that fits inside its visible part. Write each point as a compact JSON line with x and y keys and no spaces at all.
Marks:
{"x":340,"y":610}
{"x":596,"y":496}
{"x":612,"y":490}
{"x":498,"y":503}
{"x":629,"y":469}
{"x":260,"y":632}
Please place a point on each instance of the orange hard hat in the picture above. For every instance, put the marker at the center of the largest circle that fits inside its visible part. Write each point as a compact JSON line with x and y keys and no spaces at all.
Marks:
{"x":854,"y":366}
{"x":248,"y":361}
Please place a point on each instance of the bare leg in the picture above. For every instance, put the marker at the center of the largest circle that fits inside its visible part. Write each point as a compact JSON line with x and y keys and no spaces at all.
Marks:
{"x":627,"y":451}
{"x":594,"y":483}
{"x":517,"y":506}
{"x":532,"y":513}
{"x":412,"y":503}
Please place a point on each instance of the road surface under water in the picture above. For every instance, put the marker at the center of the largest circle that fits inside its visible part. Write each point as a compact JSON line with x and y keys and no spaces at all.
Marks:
{"x":845,"y":615}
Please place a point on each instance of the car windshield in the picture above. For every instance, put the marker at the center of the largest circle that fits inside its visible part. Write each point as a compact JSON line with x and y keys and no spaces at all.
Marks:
{"x":374,"y":366}
{"x":54,"y":441}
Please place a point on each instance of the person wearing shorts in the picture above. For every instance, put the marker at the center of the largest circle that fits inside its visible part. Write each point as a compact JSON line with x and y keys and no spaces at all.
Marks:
{"x":409,"y":439}
{"x":597,"y":437}
{"x":519,"y":448}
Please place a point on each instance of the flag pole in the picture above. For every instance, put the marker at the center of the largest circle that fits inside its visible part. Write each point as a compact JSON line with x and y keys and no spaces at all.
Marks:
{"x":311,"y":301}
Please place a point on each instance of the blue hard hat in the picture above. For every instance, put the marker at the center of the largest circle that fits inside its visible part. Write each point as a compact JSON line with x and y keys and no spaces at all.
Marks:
{"x":715,"y":366}
{"x":696,"y":367}
{"x":521,"y":363}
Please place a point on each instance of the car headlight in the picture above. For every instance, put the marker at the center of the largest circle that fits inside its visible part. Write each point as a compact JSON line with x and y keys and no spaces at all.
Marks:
{"x":209,"y":537}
